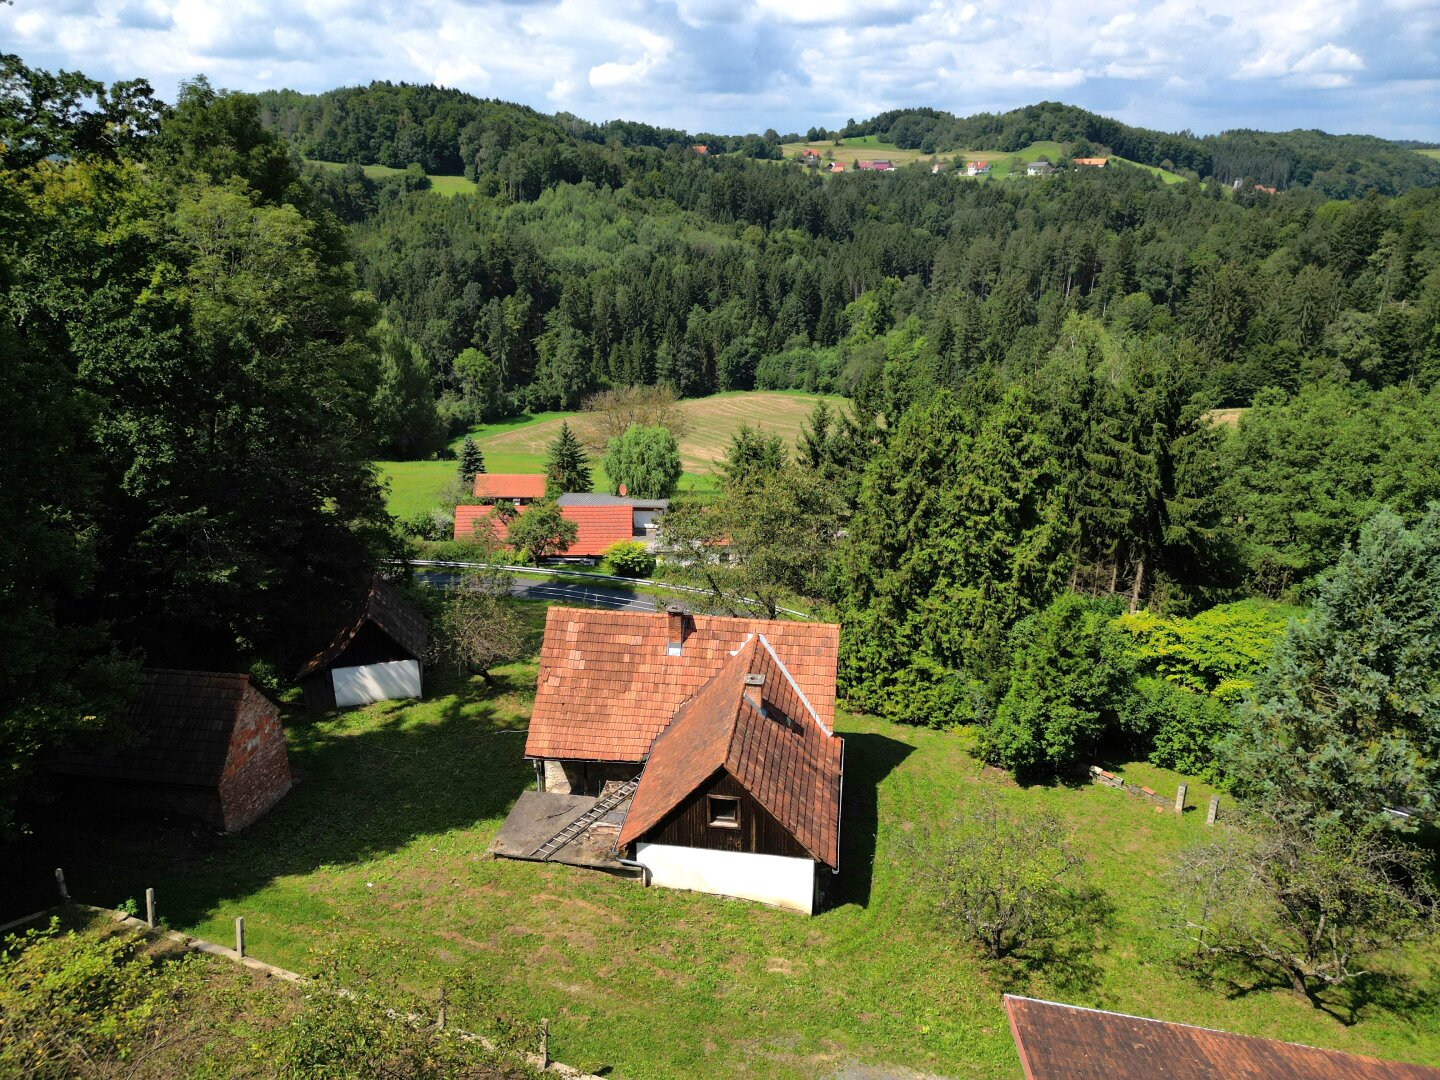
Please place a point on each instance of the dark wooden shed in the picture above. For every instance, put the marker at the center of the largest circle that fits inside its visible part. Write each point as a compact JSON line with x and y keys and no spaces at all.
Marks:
{"x":377,"y":656}
{"x":201,"y":744}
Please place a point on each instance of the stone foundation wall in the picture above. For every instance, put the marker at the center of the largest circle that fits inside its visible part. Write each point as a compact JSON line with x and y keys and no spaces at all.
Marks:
{"x":586,"y":777}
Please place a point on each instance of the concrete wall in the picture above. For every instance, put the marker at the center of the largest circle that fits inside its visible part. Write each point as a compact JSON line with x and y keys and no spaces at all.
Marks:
{"x":257,"y":770}
{"x":770,"y":879}
{"x":376,"y":682}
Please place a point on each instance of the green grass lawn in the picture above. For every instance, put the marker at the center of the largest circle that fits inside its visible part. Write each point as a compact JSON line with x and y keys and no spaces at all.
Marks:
{"x":1430,"y":152}
{"x":441,"y":185}
{"x":384,"y":839}
{"x":519,"y":444}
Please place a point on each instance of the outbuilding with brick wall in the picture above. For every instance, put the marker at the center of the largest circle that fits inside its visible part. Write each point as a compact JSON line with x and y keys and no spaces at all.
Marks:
{"x":202,"y":744}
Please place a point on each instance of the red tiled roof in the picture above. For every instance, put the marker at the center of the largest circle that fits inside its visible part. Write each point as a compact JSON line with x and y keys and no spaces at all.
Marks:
{"x":509,"y":485}
{"x":1094,"y":162}
{"x":607,"y":687}
{"x":837,"y":167}
{"x":597,"y":527}
{"x":1058,"y":1041}
{"x":781,"y":755}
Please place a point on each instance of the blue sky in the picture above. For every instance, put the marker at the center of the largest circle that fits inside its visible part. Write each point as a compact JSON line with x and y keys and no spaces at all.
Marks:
{"x":744,"y":65}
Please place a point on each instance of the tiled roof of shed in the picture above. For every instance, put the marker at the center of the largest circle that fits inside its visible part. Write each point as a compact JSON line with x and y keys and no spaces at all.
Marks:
{"x":607,"y":687}
{"x":509,"y":485}
{"x":178,"y":732}
{"x":781,"y":755}
{"x":1063,"y":1041}
{"x":386,"y":608}
{"x":590,"y":498}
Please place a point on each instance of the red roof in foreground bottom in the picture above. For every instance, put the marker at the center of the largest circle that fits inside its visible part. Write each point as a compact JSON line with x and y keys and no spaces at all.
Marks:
{"x":1062,"y":1041}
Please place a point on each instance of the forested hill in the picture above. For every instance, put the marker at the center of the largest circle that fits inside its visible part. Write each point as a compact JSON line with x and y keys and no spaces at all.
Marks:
{"x":1340,"y":166}
{"x":449,"y":132}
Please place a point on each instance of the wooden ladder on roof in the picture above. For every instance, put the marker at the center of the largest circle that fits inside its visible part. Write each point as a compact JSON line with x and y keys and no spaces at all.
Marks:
{"x":603,"y":806}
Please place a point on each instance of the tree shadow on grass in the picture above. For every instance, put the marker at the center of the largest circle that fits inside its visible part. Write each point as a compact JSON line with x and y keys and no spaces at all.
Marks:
{"x":1348,"y":1003}
{"x":869,"y":759}
{"x":370,"y":783}
{"x":1065,"y":961}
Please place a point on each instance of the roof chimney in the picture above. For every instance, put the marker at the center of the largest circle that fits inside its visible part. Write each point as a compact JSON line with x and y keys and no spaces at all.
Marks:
{"x":674,"y":630}
{"x":622,"y":491}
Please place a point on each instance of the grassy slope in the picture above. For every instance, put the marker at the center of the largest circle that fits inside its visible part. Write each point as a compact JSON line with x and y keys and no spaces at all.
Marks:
{"x":386,"y":837}
{"x":1001,"y":161}
{"x":441,"y":185}
{"x":1430,"y":152}
{"x":520,"y":445}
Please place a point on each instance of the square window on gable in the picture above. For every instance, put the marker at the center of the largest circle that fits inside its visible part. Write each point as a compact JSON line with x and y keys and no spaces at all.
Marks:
{"x":724,"y":811}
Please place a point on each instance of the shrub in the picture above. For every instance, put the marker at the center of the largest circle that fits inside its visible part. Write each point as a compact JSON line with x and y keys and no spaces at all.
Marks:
{"x":629,"y":558}
{"x":1185,"y":727}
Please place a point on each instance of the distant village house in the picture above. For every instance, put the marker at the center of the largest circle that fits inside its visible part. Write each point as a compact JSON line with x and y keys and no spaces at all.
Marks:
{"x":877,"y":166}
{"x":1090,"y":162}
{"x":200,"y":744}
{"x":1039,"y":167}
{"x":601,"y":520}
{"x":977,"y":168}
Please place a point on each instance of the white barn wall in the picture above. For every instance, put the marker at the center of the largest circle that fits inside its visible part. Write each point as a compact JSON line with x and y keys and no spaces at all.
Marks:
{"x":376,"y":682}
{"x":770,"y":879}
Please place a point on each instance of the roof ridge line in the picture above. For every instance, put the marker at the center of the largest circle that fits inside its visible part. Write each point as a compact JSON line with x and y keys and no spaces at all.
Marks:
{"x":794,"y":685}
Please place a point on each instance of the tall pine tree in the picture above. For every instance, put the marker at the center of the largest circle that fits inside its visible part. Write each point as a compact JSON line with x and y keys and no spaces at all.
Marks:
{"x":567,"y":469}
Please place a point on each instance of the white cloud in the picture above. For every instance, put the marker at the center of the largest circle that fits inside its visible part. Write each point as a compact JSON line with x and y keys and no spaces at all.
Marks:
{"x":744,"y":65}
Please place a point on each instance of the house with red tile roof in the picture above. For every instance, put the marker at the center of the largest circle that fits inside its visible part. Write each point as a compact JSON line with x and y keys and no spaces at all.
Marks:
{"x":597,"y":527}
{"x":1065,"y":1042}
{"x":880,"y":165}
{"x":518,"y":488}
{"x":728,"y":724}
{"x":977,"y":168}
{"x":837,"y":167}
{"x":1091,"y":162}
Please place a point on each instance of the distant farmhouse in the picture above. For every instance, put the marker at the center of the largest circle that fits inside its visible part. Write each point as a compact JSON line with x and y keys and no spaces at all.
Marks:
{"x":881,"y":165}
{"x":705,"y":743}
{"x":1039,"y":167}
{"x":977,"y":168}
{"x":377,"y":655}
{"x":601,"y":520}
{"x":518,"y":488}
{"x":837,"y":167}
{"x":201,"y":744}
{"x":1090,"y":162}
{"x":701,"y":148}
{"x":938,"y":167}
{"x":1065,"y":1042}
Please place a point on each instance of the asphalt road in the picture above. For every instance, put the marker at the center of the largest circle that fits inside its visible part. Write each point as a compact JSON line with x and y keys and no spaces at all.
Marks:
{"x":555,"y":592}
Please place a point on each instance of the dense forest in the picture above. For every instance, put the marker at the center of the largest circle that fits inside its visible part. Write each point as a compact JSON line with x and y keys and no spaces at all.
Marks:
{"x":214,"y":340}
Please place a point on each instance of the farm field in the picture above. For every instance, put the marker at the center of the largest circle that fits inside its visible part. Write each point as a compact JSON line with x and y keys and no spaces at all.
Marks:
{"x":1431,"y":152}
{"x":383,"y":845}
{"x":441,"y":185}
{"x":519,"y":445}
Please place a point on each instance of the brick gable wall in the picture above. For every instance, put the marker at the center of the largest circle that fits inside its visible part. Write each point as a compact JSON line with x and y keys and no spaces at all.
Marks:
{"x":257,"y":770}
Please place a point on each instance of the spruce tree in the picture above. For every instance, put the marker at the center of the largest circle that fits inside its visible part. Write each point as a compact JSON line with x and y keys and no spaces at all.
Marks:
{"x":472,"y":461}
{"x":566,"y":468}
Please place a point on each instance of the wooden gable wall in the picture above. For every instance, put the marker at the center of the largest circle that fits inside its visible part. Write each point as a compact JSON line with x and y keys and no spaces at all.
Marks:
{"x":688,"y":825}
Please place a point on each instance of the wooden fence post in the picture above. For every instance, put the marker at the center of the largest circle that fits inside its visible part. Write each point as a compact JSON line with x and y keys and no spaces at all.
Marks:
{"x":1180,"y":798}
{"x":544,"y":1044}
{"x":240,"y":935}
{"x":150,"y":907}
{"x":60,"y":880}
{"x":1214,"y":810}
{"x":440,"y":1018}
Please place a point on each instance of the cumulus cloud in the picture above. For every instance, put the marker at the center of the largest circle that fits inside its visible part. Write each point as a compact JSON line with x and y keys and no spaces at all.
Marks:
{"x":745,"y":65}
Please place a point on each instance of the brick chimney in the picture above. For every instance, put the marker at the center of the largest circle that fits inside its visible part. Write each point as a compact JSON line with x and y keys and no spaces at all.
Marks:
{"x":622,"y":491}
{"x":674,"y":630}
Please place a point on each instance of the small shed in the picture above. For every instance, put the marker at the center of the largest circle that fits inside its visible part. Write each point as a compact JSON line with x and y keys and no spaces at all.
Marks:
{"x":201,"y":744}
{"x":378,"y":656}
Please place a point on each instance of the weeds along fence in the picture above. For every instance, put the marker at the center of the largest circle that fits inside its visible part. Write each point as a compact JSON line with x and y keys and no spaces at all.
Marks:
{"x":150,"y":926}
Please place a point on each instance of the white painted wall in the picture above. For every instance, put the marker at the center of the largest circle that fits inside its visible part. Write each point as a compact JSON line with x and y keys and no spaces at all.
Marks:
{"x":376,"y":682}
{"x":770,"y":879}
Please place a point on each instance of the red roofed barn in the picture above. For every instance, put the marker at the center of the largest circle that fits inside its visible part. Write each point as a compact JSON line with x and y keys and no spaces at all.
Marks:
{"x":597,"y":527}
{"x":201,"y":744}
{"x":731,"y":721}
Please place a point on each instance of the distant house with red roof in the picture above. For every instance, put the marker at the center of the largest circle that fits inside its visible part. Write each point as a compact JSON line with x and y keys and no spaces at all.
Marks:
{"x":977,"y":168}
{"x":837,"y":167}
{"x":518,"y":488}
{"x":598,"y":526}
{"x":1091,"y":162}
{"x":1066,"y":1042}
{"x":729,"y":724}
{"x":880,"y":165}
{"x":1266,"y":190}
{"x":701,"y":148}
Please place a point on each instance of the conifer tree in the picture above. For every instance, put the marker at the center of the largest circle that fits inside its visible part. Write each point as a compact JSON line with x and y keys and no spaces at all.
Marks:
{"x":472,"y":461}
{"x":567,"y":468}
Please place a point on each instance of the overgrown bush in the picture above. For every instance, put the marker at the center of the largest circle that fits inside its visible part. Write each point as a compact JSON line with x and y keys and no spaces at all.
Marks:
{"x":629,"y":558}
{"x":1185,"y":727}
{"x":1068,"y":689}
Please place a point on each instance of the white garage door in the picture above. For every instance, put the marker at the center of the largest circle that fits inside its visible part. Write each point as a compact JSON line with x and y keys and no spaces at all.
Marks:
{"x":376,"y":682}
